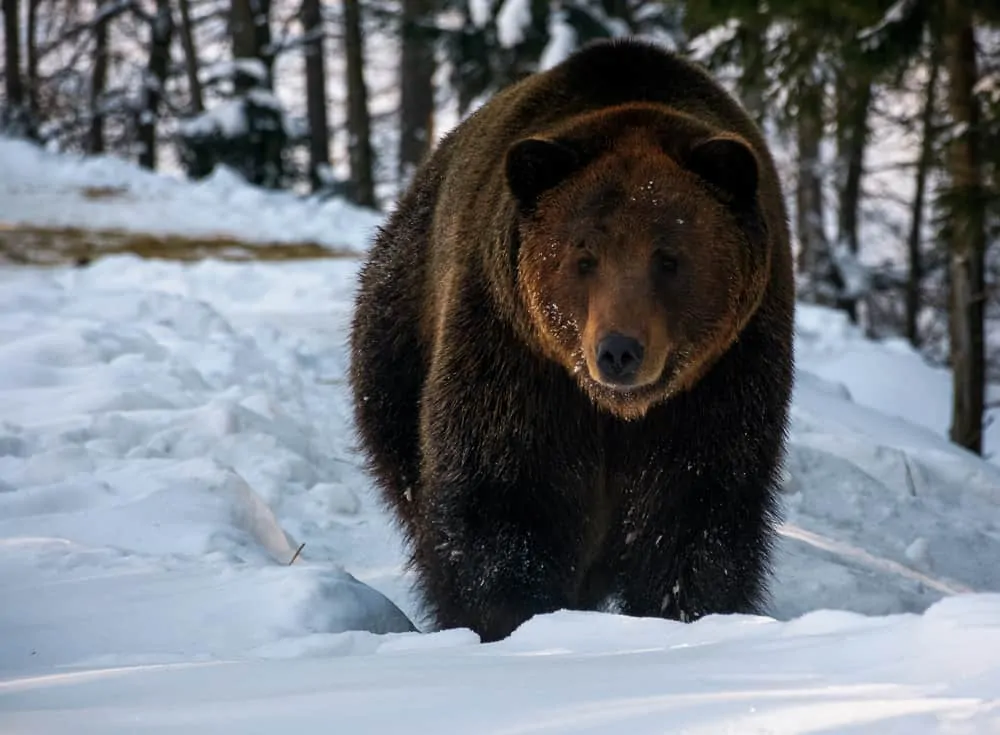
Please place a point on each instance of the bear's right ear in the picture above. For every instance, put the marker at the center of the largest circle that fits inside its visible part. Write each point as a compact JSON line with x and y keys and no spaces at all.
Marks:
{"x":535,"y":165}
{"x":729,"y":164}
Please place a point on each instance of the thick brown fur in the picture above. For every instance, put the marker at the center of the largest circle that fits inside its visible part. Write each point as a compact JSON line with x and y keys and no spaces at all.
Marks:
{"x":622,"y":192}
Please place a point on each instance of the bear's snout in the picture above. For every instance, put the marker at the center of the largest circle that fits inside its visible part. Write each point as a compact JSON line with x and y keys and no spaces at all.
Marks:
{"x":619,"y":358}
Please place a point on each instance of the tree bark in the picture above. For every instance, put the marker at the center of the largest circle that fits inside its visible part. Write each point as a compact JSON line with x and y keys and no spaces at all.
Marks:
{"x":14,"y":83}
{"x":31,"y":57}
{"x":914,"y":241}
{"x":190,"y":58}
{"x":813,"y":245}
{"x":154,"y":79}
{"x":98,"y":80}
{"x":855,"y":90}
{"x":416,"y":75}
{"x":358,"y":119}
{"x":262,"y":32}
{"x":250,"y":30}
{"x":967,"y":231}
{"x":315,"y":63}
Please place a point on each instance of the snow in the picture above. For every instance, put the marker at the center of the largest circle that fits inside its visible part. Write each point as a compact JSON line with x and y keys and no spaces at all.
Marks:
{"x":889,"y":376}
{"x":480,"y":12}
{"x":44,"y":188}
{"x":513,"y":20}
{"x":172,"y":434}
{"x":229,"y":68}
{"x":707,"y":43}
{"x":988,"y":86}
{"x":227,"y":119}
{"x":568,"y":672}
{"x":562,"y":41}
{"x":896,"y":13}
{"x":856,"y":277}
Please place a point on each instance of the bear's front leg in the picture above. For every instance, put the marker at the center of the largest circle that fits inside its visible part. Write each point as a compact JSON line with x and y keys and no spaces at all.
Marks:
{"x":488,"y":556}
{"x":501,"y":506}
{"x":704,"y":550}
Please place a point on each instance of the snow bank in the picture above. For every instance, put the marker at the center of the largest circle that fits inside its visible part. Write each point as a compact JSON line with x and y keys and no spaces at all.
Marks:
{"x":883,"y":513}
{"x":888,"y":376}
{"x":43,"y":188}
{"x":158,"y":470}
{"x":568,"y":672}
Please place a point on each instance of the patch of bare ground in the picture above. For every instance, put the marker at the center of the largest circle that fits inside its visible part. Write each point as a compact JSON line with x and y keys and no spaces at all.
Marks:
{"x":33,"y":245}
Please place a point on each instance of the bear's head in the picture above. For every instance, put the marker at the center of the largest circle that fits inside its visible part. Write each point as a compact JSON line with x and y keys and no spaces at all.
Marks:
{"x":642,"y":249}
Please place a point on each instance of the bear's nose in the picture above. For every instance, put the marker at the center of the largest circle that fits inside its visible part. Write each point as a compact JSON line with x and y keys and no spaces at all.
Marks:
{"x":618,"y":358}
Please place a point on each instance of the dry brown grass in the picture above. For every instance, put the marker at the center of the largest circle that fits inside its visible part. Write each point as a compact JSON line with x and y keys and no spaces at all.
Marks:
{"x":96,"y":193}
{"x":31,"y":245}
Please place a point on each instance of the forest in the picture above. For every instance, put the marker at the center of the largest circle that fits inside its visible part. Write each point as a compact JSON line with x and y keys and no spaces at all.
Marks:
{"x":885,"y":117}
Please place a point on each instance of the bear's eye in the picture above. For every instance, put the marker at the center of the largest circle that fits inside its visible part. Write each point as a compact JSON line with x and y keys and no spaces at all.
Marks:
{"x":665,"y":262}
{"x":586,"y":264}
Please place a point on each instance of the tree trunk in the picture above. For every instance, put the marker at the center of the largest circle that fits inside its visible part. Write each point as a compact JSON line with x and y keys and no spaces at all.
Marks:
{"x":190,"y":58}
{"x":814,"y":247}
{"x":967,"y":230}
{"x":855,"y":90}
{"x":914,"y":241}
{"x":358,"y":120}
{"x":319,"y":129}
{"x":416,"y":75}
{"x":12,"y":55}
{"x":244,"y":39}
{"x":98,"y":80}
{"x":250,"y":30}
{"x":154,"y":79}
{"x":31,"y":57}
{"x":262,"y":32}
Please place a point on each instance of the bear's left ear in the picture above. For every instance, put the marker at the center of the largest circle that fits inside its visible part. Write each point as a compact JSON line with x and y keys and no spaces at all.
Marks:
{"x":728,"y":164}
{"x":535,"y":165}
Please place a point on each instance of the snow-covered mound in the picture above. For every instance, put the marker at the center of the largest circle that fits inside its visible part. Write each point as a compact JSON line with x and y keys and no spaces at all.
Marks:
{"x":42,"y":188}
{"x":170,"y":434}
{"x":567,"y":673}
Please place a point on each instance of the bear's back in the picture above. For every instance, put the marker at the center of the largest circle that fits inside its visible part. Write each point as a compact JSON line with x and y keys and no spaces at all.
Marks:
{"x":475,"y":212}
{"x":603,"y":74}
{"x":609,"y":73}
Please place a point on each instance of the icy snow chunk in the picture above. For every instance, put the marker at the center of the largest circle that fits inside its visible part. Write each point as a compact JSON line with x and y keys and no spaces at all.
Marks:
{"x":251,"y":514}
{"x":340,"y":602}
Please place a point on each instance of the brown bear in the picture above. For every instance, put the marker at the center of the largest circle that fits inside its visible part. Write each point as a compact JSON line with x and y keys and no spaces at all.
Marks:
{"x":571,"y":355}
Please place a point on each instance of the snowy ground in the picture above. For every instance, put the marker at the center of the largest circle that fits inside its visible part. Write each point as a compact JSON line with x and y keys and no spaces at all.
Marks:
{"x":49,"y":189}
{"x":170,"y":434}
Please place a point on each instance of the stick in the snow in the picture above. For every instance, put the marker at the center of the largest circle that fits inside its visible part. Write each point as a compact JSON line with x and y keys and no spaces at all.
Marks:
{"x":296,"y":554}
